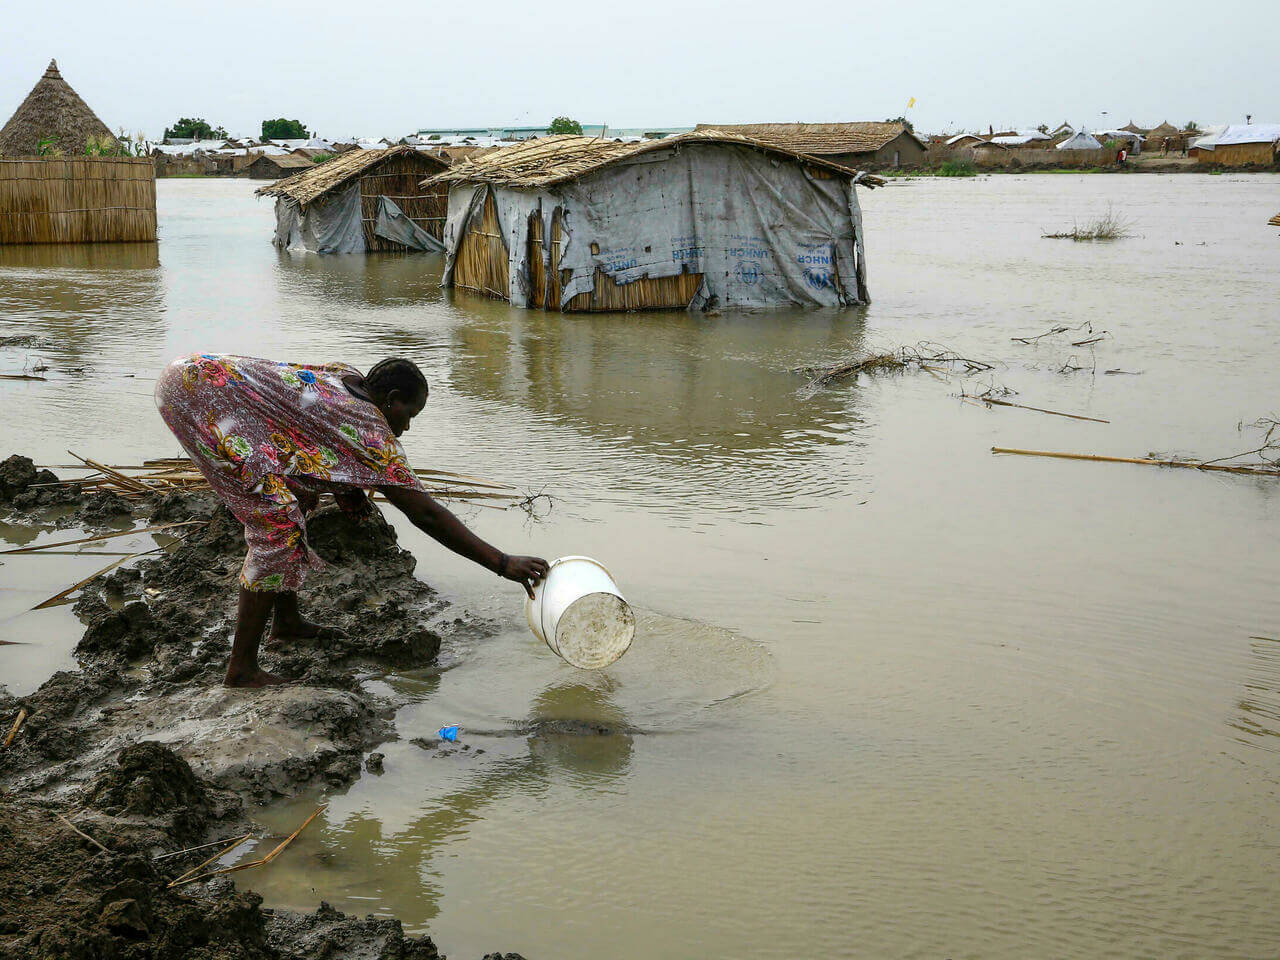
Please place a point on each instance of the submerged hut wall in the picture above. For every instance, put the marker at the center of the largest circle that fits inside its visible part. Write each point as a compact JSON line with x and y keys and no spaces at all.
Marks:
{"x":578,"y":223}
{"x":361,"y":201}
{"x":85,"y":200}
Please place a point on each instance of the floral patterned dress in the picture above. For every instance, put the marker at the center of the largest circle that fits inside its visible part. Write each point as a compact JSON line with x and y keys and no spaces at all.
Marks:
{"x":265,"y":433}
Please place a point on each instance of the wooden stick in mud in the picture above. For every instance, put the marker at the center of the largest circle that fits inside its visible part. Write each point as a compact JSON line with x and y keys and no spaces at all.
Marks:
{"x":17,"y":725}
{"x":20,"y":376}
{"x":76,"y":829}
{"x":1023,"y":406}
{"x":116,"y":474}
{"x":204,"y":863}
{"x":104,"y":536}
{"x":185,"y":879}
{"x":1187,"y":464}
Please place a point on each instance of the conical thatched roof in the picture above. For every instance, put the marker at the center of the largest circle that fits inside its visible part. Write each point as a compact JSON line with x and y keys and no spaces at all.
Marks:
{"x":52,"y":110}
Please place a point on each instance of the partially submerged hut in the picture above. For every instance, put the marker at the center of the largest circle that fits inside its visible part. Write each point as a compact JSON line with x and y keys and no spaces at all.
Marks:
{"x":55,"y":119}
{"x":360,"y":201}
{"x":859,"y":144}
{"x":266,"y":167}
{"x":702,"y":218}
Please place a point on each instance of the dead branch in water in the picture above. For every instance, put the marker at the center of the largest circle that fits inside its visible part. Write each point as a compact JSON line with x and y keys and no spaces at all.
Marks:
{"x":1051,"y":332}
{"x":536,"y":506}
{"x":991,"y":398}
{"x":931,"y":357}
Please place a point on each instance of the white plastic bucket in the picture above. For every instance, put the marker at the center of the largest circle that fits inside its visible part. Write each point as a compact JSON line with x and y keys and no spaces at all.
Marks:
{"x":578,"y":611}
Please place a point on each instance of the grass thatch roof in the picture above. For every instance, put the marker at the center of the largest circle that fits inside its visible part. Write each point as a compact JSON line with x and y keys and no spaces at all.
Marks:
{"x":286,"y":161}
{"x":548,"y":161}
{"x":1165,"y":129}
{"x":1275,"y":221}
{"x":1132,"y":127}
{"x":342,"y":169}
{"x":52,"y":111}
{"x":820,"y":139}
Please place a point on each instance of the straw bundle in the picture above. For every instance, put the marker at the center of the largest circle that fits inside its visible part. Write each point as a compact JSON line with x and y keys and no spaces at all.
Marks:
{"x":178,"y":473}
{"x":482,"y":265}
{"x":85,"y":200}
{"x":548,"y":161}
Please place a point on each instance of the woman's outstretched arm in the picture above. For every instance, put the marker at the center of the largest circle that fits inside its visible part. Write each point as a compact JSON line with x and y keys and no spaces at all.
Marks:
{"x":437,"y":522}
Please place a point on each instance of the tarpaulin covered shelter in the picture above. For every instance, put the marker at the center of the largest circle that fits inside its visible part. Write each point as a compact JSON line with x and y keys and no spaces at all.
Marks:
{"x":702,"y":218}
{"x":360,"y":201}
{"x":1080,"y":141}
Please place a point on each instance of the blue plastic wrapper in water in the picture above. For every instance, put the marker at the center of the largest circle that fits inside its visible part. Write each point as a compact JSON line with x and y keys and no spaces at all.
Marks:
{"x":449,"y":733}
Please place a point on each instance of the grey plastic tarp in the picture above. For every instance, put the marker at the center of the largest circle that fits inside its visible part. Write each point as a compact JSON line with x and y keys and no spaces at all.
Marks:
{"x":761,"y":229}
{"x":392,"y":224}
{"x":333,"y":225}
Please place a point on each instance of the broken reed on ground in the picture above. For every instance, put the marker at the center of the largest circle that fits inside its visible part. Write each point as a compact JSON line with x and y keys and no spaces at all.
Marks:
{"x":1109,"y":226}
{"x":169,"y":474}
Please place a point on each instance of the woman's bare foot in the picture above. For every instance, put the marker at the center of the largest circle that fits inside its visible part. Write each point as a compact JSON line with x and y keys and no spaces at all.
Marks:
{"x":257,"y":677}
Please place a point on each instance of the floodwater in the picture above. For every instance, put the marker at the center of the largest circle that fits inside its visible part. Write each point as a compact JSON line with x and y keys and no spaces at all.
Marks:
{"x":892,"y":695}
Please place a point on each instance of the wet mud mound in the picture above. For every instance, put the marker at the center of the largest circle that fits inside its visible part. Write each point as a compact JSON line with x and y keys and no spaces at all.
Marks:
{"x":154,"y":755}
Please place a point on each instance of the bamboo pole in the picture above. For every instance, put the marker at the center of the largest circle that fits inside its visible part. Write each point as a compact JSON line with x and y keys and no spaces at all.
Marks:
{"x":1186,"y":464}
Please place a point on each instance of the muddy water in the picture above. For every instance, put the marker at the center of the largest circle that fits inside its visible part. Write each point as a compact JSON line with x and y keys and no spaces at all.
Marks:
{"x":892,"y":695}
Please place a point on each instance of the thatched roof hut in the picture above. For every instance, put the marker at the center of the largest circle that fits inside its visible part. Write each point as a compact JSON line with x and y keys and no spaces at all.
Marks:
{"x":360,"y":201}
{"x":856,"y":144}
{"x":582,"y":223}
{"x":267,"y":167}
{"x":54,"y":113}
{"x":1132,"y":127}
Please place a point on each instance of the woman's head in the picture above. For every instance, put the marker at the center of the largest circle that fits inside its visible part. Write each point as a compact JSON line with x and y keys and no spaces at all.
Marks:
{"x":399,"y":390}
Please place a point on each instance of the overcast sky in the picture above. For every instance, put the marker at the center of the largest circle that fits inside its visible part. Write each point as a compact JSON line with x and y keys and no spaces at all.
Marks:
{"x":389,"y":67}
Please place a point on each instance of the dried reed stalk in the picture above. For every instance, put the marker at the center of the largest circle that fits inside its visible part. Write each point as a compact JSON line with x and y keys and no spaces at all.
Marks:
{"x":1186,"y":464}
{"x":76,"y":829}
{"x":253,"y":863}
{"x":204,"y":863}
{"x":17,"y":725}
{"x":106,"y":536}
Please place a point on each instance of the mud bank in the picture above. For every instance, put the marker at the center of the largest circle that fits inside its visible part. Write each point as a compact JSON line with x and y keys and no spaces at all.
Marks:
{"x":148,"y":754}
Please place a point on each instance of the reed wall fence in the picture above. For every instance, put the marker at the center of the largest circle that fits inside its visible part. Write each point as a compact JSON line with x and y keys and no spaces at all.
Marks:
{"x":81,"y":200}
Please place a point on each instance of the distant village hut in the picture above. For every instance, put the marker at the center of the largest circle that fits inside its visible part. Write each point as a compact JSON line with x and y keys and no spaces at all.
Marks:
{"x":702,"y":218}
{"x":361,"y":201}
{"x":57,"y":192}
{"x":857,"y":145}
{"x":265,"y":167}
{"x":1241,"y":145}
{"x":1080,"y":141}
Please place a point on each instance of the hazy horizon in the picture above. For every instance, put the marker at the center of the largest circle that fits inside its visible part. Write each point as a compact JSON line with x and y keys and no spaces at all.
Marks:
{"x":662,"y":64}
